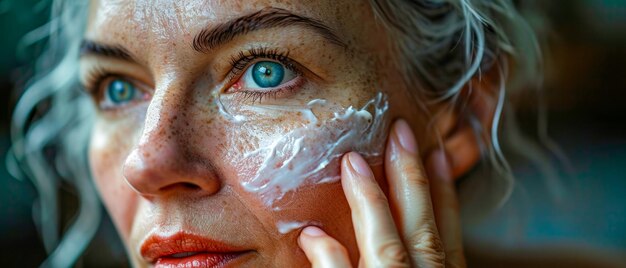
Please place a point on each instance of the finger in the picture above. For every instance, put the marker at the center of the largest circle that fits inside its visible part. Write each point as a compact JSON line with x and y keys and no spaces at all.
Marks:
{"x":322,"y":250}
{"x":376,"y":234}
{"x":410,"y":198}
{"x":446,"y":207}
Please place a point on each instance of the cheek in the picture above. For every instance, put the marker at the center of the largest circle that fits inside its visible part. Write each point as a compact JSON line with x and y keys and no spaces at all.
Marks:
{"x":276,"y":149}
{"x":107,"y":153}
{"x":322,"y":205}
{"x":291,"y":169}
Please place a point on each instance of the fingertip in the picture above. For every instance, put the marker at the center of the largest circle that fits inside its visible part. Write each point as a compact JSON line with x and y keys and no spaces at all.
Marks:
{"x":404,"y":136}
{"x":321,"y":249}
{"x":313,"y":231}
{"x":402,"y":147}
{"x":358,"y":164}
{"x":308,"y":233}
{"x":355,"y":168}
{"x":345,"y":164}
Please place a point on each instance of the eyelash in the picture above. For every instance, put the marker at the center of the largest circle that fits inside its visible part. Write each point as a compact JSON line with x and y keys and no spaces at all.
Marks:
{"x":93,"y":83}
{"x":244,"y":60}
{"x":95,"y":78}
{"x":239,"y":64}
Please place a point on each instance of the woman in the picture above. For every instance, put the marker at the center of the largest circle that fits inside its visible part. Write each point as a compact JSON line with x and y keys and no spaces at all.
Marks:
{"x":275,"y":133}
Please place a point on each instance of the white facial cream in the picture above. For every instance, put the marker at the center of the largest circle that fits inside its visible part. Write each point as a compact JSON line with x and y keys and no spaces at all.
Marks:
{"x":285,"y":227}
{"x":310,"y":154}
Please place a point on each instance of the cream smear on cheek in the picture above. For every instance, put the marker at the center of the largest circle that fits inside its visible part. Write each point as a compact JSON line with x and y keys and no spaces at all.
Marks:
{"x":285,"y":227}
{"x":310,"y":154}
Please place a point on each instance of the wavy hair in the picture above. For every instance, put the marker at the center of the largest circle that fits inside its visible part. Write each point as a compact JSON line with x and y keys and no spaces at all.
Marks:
{"x":447,"y":43}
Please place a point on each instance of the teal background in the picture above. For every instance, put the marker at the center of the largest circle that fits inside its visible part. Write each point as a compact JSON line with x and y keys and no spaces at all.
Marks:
{"x":19,"y":240}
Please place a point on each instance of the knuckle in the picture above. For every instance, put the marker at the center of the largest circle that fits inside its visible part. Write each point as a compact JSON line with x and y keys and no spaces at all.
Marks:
{"x":414,"y":175}
{"x":393,"y":254}
{"x":429,"y":247}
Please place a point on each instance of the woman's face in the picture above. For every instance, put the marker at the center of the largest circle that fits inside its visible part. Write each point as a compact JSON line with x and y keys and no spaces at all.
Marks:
{"x":220,"y":123}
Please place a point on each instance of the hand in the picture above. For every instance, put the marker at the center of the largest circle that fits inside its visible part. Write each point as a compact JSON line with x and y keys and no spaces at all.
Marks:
{"x":405,"y":229}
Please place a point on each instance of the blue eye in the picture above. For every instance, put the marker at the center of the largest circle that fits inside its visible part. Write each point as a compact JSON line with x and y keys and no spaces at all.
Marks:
{"x":268,"y":74}
{"x":120,"y":91}
{"x":267,"y":77}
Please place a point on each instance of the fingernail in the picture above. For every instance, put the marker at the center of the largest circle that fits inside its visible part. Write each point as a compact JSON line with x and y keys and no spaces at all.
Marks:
{"x":359,"y":164}
{"x":405,"y":136}
{"x":440,"y":167}
{"x":313,"y":231}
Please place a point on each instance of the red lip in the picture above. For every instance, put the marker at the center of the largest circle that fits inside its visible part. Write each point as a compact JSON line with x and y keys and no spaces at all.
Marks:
{"x":188,"y":250}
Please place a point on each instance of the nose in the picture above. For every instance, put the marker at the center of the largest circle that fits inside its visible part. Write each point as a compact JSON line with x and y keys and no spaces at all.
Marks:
{"x":164,"y":162}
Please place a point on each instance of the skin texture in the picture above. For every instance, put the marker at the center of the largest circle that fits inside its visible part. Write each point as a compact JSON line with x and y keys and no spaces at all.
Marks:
{"x":402,"y":228}
{"x":170,"y":161}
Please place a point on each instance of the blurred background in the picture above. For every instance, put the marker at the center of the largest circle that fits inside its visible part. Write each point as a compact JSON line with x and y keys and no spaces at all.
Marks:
{"x":585,"y":88}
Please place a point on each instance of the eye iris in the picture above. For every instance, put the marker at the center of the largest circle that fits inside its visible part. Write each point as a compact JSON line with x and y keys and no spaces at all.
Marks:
{"x":120,"y":91}
{"x":268,"y":73}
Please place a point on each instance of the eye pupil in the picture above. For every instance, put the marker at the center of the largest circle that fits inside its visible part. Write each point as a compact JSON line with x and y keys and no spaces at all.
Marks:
{"x":268,"y":73}
{"x":120,"y":91}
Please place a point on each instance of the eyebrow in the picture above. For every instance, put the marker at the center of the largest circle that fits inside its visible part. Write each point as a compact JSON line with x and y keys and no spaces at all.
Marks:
{"x":89,"y":47}
{"x":265,"y":18}
{"x":210,"y":38}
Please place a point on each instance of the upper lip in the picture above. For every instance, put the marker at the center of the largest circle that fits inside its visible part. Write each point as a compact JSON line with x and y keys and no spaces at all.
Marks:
{"x":155,"y":246}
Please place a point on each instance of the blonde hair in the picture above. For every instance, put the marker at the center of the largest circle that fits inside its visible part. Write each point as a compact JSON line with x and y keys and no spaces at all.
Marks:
{"x":444,"y":44}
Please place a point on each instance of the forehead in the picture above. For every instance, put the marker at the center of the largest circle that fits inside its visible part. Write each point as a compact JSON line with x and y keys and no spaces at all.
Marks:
{"x":136,"y":22}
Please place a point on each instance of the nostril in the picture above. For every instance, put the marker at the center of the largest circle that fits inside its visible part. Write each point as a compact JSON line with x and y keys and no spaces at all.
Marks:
{"x":182,"y":185}
{"x":190,"y":186}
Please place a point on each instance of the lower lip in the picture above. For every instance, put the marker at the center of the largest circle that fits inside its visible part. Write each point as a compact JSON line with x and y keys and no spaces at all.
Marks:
{"x":213,"y":260}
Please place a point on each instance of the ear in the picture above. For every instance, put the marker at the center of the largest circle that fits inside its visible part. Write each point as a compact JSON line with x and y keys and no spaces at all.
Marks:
{"x":460,"y":138}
